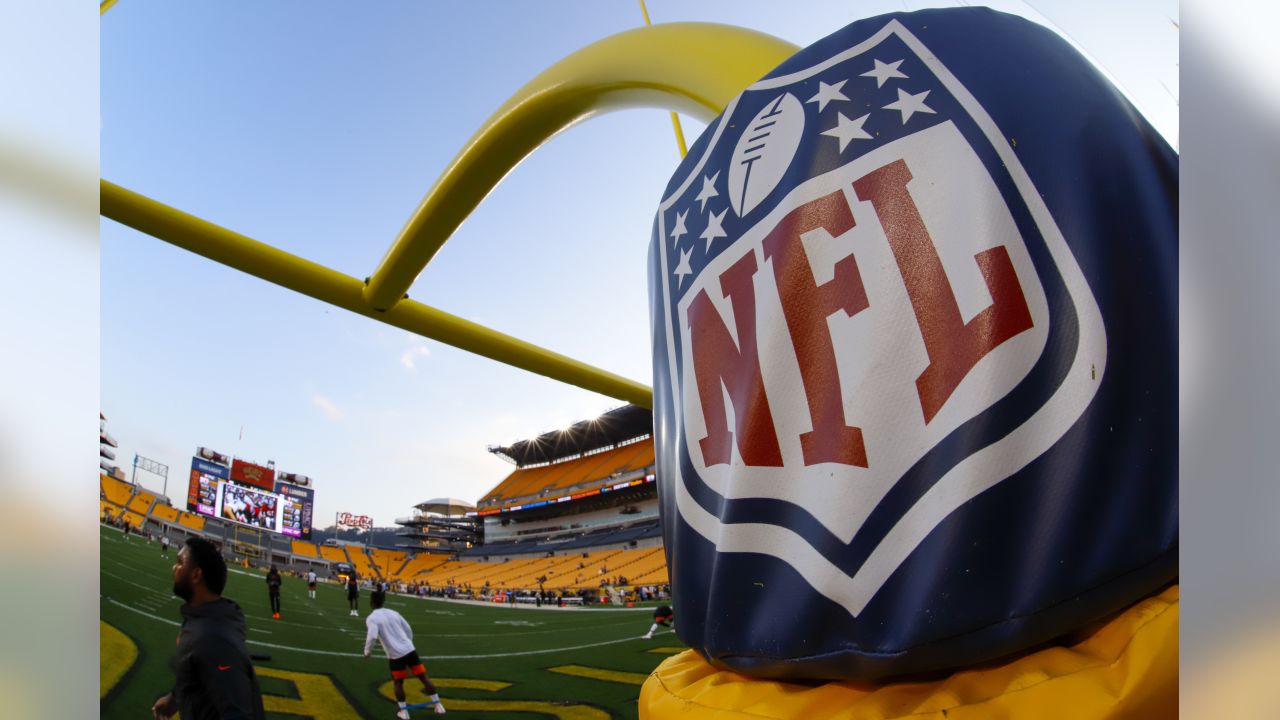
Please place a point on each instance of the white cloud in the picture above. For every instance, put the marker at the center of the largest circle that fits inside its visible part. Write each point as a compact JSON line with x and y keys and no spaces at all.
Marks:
{"x":327,"y":407}
{"x":410,"y":356}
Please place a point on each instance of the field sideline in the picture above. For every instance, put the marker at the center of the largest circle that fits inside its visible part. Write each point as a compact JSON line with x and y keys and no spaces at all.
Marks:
{"x":489,"y":662}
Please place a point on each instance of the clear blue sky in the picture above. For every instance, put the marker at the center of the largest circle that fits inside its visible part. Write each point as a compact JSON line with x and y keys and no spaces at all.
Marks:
{"x":318,"y":128}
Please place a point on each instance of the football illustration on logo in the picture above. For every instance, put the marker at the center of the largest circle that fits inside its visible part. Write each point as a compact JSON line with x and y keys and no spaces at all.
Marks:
{"x":764,"y":152}
{"x":915,"y":396}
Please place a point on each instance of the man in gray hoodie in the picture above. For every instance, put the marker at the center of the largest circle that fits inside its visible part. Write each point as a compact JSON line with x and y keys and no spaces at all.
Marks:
{"x":215,"y":678}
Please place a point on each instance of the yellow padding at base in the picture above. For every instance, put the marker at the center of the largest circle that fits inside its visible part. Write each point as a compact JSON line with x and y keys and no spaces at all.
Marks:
{"x":1127,"y":669}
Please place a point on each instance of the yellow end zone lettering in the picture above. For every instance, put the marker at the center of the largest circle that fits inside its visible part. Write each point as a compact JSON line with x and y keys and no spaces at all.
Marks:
{"x":617,"y":676}
{"x":318,"y":697}
{"x":413,"y":694}
{"x":117,"y":655}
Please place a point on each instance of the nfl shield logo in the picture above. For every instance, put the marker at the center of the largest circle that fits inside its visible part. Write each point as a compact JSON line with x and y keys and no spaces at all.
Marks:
{"x":865,"y":317}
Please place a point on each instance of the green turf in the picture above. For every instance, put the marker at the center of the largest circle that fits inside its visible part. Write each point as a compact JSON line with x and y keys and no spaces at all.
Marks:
{"x":458,"y":642}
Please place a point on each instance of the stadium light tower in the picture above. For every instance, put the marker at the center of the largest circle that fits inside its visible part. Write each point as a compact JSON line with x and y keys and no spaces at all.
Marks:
{"x":153,"y":467}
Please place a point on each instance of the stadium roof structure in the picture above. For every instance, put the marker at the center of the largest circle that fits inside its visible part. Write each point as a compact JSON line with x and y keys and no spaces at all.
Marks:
{"x":618,"y":425}
{"x":445,"y":506}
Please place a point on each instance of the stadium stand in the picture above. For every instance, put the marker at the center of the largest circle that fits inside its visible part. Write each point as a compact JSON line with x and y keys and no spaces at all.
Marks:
{"x":141,"y":503}
{"x":115,"y":491}
{"x":582,"y":471}
{"x":305,"y":549}
{"x":361,"y":562}
{"x":645,"y":567}
{"x":164,"y":513}
{"x":578,"y":513}
{"x":387,"y":562}
{"x":192,"y":521}
{"x":607,"y":534}
{"x":333,"y":554}
{"x":419,"y":564}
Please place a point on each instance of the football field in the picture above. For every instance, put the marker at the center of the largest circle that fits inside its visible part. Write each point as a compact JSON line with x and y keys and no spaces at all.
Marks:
{"x":488,"y":662}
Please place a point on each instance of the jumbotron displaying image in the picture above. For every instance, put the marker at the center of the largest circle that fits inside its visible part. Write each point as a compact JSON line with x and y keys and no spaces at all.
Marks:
{"x":249,"y":506}
{"x":212,"y":493}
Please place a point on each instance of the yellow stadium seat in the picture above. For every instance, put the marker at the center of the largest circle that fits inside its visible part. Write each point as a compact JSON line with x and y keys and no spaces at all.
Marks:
{"x":305,"y":549}
{"x":165,"y":513}
{"x":583,"y":471}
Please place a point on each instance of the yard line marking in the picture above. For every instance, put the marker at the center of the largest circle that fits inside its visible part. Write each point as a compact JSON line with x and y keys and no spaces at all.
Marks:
{"x":331,"y":653}
{"x":615,"y":676}
{"x":130,"y":608}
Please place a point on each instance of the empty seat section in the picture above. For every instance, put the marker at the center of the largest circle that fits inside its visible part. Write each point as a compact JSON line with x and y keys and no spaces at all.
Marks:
{"x":116,"y":492}
{"x":191,"y":520}
{"x":333,"y":554}
{"x":165,"y":513}
{"x":420,"y":564}
{"x":651,"y":570}
{"x":133,"y":519}
{"x":387,"y":561}
{"x":303,"y":548}
{"x":361,"y":562}
{"x":141,"y":503}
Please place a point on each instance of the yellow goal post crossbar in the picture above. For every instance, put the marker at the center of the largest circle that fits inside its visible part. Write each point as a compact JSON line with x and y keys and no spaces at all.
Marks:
{"x":695,"y":68}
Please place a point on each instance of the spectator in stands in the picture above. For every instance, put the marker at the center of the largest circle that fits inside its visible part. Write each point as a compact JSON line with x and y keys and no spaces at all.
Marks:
{"x":274,"y":581}
{"x":215,"y":678}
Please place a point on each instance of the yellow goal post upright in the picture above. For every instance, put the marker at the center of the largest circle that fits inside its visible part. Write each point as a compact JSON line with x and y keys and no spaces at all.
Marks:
{"x":694,"y":68}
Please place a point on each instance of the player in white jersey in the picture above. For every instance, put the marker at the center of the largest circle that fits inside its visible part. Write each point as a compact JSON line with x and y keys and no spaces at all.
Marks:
{"x":311,"y":584}
{"x":393,"y":631}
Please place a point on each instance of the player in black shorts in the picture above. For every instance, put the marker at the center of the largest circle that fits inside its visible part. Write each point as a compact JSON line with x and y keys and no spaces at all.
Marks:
{"x":274,"y":581}
{"x":353,"y":595}
{"x":662,"y":616}
{"x":391,"y":629}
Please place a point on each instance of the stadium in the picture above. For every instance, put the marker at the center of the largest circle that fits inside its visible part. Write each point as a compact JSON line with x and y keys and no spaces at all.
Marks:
{"x":556,"y":572}
{"x":835,"y":494}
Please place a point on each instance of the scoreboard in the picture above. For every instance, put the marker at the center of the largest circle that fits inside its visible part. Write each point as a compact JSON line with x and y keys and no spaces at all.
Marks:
{"x":296,"y":507}
{"x":248,"y":494}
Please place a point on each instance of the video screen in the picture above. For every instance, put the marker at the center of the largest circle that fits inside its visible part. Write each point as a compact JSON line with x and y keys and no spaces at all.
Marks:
{"x":206,"y":487}
{"x":249,"y":506}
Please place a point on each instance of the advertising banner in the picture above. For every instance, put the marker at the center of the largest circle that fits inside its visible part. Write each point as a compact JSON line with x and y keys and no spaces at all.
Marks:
{"x":255,"y":475}
{"x":346,"y":520}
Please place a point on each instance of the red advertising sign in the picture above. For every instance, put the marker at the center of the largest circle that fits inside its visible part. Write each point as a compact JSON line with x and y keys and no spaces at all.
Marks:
{"x":348,"y":520}
{"x":250,"y":474}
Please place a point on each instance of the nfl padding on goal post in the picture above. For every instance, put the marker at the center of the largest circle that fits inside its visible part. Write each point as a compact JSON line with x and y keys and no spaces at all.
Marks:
{"x":914,"y":313}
